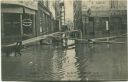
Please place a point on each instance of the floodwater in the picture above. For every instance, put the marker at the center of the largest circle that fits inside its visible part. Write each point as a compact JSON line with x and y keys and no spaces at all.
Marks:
{"x":79,"y":62}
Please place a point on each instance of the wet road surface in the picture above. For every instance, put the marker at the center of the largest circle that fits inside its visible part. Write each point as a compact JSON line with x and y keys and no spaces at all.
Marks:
{"x":82,"y":62}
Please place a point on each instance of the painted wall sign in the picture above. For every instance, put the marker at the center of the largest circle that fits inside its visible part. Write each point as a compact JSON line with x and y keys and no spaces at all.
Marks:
{"x":95,"y":4}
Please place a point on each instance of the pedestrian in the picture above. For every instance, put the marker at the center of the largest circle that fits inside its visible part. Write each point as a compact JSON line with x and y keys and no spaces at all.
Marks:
{"x":18,"y":48}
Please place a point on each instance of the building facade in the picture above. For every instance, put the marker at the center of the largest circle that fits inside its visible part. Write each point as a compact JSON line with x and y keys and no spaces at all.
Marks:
{"x":118,"y":16}
{"x":59,"y":14}
{"x":77,"y":14}
{"x":99,"y":16}
{"x":18,"y":20}
{"x":44,"y":18}
{"x":25,"y":19}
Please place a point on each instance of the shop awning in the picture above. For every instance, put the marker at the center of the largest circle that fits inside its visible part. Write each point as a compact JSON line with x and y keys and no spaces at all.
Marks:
{"x":29,"y":11}
{"x":17,"y":10}
{"x":12,"y":10}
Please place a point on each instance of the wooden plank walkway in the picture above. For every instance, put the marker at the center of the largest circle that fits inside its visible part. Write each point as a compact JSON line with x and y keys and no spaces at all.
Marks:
{"x":35,"y":39}
{"x":97,"y":39}
{"x":111,"y":37}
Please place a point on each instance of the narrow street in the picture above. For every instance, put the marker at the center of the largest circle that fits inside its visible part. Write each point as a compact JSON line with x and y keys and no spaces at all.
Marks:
{"x":81,"y":62}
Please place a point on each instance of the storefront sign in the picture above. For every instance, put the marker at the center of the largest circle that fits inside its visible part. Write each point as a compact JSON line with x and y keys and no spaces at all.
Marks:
{"x":12,"y":10}
{"x":27,"y":22}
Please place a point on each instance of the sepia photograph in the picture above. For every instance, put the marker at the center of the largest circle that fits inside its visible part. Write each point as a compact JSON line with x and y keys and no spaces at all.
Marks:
{"x":64,"y":40}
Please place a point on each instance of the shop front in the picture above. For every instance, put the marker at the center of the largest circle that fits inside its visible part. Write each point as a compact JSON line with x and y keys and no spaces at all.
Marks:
{"x":18,"y":23}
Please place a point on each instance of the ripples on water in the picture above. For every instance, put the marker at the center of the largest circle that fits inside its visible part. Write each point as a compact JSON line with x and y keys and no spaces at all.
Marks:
{"x":84,"y":62}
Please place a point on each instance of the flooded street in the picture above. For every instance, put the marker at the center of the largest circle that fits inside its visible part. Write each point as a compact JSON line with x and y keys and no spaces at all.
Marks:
{"x":80,"y":62}
{"x":64,"y":40}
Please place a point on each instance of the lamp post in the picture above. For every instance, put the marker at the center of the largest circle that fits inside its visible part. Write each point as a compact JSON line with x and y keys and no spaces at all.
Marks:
{"x":21,"y":26}
{"x":84,"y":25}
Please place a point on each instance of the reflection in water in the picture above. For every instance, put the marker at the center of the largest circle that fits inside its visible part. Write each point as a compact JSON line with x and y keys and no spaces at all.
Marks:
{"x":84,"y":54}
{"x":102,"y":62}
{"x":69,"y":66}
{"x":64,"y":64}
{"x":57,"y":64}
{"x":50,"y":62}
